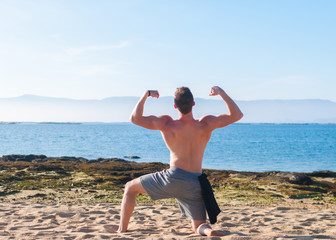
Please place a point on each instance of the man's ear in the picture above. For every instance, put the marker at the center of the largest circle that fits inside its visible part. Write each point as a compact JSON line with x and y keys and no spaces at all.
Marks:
{"x":194,"y":104}
{"x":175,"y":106}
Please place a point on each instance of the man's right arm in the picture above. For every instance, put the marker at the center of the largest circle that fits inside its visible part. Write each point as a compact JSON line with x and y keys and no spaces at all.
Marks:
{"x":223,"y":120}
{"x":149,"y":122}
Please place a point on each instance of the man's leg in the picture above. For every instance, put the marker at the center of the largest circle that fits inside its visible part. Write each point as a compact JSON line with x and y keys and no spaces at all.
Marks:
{"x":132,"y":189}
{"x":204,"y":229}
{"x":196,"y":223}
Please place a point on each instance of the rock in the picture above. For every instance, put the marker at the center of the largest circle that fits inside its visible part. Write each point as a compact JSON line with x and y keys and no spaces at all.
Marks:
{"x":104,"y":160}
{"x":46,"y":168}
{"x":294,"y":178}
{"x":132,"y":157}
{"x":24,"y":158}
{"x":67,"y":159}
{"x":300,"y":179}
{"x":323,"y":174}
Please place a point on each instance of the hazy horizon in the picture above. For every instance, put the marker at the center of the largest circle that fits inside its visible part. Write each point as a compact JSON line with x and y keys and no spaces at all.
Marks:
{"x":138,"y":97}
{"x":31,"y":108}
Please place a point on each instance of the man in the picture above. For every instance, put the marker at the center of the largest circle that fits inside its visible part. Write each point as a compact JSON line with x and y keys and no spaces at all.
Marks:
{"x":186,"y":138}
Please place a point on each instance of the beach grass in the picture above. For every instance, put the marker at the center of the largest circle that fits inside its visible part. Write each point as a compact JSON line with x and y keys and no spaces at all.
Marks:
{"x":102,"y":181}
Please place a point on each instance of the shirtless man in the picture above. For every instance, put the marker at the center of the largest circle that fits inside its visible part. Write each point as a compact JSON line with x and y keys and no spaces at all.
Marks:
{"x":186,"y":138}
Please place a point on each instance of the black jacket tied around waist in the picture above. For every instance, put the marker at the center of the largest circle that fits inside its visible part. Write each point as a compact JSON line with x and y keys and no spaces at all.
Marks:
{"x":209,"y":198}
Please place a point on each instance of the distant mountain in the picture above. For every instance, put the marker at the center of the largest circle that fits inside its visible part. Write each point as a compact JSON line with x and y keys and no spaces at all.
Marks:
{"x":289,"y":111}
{"x":30,"y":108}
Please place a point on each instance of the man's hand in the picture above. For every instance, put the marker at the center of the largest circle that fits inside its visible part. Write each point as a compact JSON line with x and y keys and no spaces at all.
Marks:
{"x":215,"y":90}
{"x":153,"y":93}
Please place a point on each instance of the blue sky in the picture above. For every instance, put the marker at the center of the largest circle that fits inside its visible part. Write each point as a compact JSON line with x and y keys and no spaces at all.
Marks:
{"x":95,"y":49}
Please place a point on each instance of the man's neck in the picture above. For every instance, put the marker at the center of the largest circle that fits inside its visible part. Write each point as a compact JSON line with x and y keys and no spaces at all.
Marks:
{"x":186,"y":117}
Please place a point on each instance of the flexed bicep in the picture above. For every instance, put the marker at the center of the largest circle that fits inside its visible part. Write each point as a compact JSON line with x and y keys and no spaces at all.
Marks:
{"x":154,"y":122}
{"x":218,"y":121}
{"x":223,"y":120}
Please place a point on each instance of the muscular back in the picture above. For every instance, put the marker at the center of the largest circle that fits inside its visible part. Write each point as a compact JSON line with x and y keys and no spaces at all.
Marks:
{"x":186,"y":137}
{"x":186,"y":140}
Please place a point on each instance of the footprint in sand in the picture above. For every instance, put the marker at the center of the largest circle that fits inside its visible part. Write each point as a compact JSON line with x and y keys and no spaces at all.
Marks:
{"x":246,"y":219}
{"x":84,"y":215}
{"x":268,"y":219}
{"x":4,"y":234}
{"x":88,"y":236}
{"x":101,"y":221}
{"x":49,"y":217}
{"x":140,"y":218}
{"x":104,"y":237}
{"x":41,"y":228}
{"x":29,"y":218}
{"x":112,"y":212}
{"x":122,"y":238}
{"x":97,"y":212}
{"x":306,"y":224}
{"x":45,"y":233}
{"x":111,"y":228}
{"x":65,"y":214}
{"x":253,"y":231}
{"x":86,"y":230}
{"x":326,"y":217}
{"x":16,"y":228}
{"x":282,"y":209}
{"x":3,"y":225}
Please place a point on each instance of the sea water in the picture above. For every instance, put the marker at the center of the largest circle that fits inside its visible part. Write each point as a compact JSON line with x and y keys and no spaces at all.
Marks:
{"x":242,"y":147}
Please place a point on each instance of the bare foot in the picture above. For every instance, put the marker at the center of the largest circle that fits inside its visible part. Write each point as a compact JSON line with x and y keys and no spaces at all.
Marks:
{"x":206,"y":230}
{"x":216,"y":233}
{"x":120,"y":230}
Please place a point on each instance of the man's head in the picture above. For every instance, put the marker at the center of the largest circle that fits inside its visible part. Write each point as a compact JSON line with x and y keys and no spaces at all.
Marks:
{"x":184,"y":100}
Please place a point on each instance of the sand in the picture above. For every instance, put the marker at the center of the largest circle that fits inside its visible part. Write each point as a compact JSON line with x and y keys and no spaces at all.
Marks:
{"x":69,"y":221}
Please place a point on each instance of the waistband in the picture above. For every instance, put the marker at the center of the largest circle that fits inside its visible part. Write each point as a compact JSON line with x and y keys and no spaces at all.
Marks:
{"x":179,"y":170}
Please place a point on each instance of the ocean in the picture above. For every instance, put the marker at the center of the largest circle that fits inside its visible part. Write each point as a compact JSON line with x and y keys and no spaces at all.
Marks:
{"x":241,"y":147}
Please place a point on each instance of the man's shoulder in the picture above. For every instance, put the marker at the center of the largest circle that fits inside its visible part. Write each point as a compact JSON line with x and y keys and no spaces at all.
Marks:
{"x":206,"y":122}
{"x":166,"y":117}
{"x":205,"y":119}
{"x":166,"y":120}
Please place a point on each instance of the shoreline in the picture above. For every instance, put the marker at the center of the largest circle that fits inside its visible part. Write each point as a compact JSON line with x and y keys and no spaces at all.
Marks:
{"x":258,"y":147}
{"x":102,"y":180}
{"x":128,"y":123}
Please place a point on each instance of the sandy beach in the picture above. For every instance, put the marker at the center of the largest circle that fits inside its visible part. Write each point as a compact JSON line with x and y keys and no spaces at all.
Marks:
{"x":24,"y":220}
{"x":73,"y":198}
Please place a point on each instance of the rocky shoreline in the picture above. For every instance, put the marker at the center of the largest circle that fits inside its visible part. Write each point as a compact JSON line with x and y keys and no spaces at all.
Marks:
{"x":102,"y":180}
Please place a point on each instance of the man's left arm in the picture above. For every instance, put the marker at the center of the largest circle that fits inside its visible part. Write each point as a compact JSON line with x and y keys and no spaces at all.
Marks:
{"x":150,"y":122}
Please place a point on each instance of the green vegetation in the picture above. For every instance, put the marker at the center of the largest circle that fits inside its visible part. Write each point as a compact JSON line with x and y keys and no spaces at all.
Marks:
{"x":77,"y":180}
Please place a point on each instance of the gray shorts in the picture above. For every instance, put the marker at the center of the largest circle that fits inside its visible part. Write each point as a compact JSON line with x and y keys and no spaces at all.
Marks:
{"x":176,"y":183}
